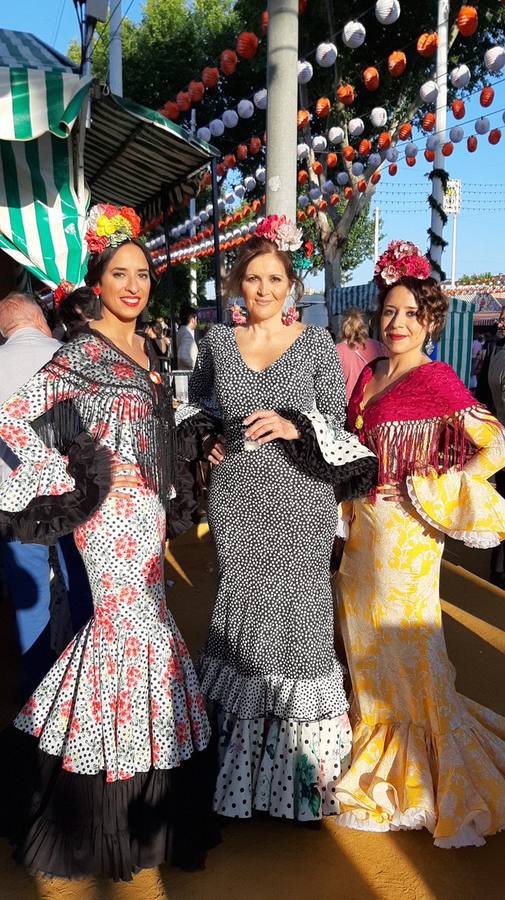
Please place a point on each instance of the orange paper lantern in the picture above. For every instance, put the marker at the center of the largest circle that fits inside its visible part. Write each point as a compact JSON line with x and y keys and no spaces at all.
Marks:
{"x":303,"y":176}
{"x":302,"y":118}
{"x":361,"y":185}
{"x":348,"y":192}
{"x":317,"y":167}
{"x":376,"y":177}
{"x":247,"y":44}
{"x":255,"y":145}
{"x":384,"y":140}
{"x":210,"y":76}
{"x":323,"y":206}
{"x":220,"y":169}
{"x":335,"y":199}
{"x":467,"y":21}
{"x":311,"y":210}
{"x":486,"y":96}
{"x":494,"y":136}
{"x":264,"y":22}
{"x":300,"y":216}
{"x":447,"y":148}
{"x":365,"y":147}
{"x":397,"y":63}
{"x":405,"y":132}
{"x":371,"y":78}
{"x":196,"y":90}
{"x":207,"y":178}
{"x":411,"y":161}
{"x":427,"y":44}
{"x":229,"y":161}
{"x":429,"y":155}
{"x":331,"y":160}
{"x":183,"y":101}
{"x":256,"y":205}
{"x":171,"y":111}
{"x":428,"y":122}
{"x":393,"y":169}
{"x":228,"y":62}
{"x":349,"y":153}
{"x":471,"y":143}
{"x":458,"y":109}
{"x":345,"y":94}
{"x":242,"y":152}
{"x":323,"y":107}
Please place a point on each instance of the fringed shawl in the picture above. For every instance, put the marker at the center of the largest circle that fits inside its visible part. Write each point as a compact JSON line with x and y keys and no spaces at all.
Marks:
{"x":417,"y":425}
{"x":93,"y":387}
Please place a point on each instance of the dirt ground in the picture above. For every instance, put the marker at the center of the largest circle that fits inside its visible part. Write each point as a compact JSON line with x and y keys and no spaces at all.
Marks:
{"x":273,"y":860}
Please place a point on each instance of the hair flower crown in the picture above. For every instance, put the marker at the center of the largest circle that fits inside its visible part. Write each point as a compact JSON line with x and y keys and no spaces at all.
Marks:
{"x":281,"y":232}
{"x":109,"y":226}
{"x":402,"y":259}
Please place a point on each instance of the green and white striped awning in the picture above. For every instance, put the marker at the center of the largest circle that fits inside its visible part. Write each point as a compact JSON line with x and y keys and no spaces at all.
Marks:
{"x":455,"y":346}
{"x":361,"y":296}
{"x":19,"y":49}
{"x":33,"y":102}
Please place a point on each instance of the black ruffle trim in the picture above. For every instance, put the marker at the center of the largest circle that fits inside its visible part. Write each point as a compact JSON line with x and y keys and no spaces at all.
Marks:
{"x":355,"y":478}
{"x":194,"y":436}
{"x":73,"y":826}
{"x":47,"y":518}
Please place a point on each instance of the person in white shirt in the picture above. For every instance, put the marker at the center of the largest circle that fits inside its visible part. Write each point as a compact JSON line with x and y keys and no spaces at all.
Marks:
{"x":187,"y":350}
{"x":25,"y":567}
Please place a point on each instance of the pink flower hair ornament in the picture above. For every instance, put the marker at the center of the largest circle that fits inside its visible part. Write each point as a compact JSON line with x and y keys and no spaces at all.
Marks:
{"x":282,"y":232}
{"x":402,"y":259}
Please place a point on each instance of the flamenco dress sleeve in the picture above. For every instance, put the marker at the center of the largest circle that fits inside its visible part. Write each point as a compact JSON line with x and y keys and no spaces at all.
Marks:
{"x":462,"y":503}
{"x":49,"y":494}
{"x":325,"y":450}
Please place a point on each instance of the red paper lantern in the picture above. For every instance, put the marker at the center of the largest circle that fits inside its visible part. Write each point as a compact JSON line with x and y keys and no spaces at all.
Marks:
{"x":467,"y":21}
{"x":405,"y":132}
{"x":323,"y":206}
{"x":210,"y":76}
{"x":303,"y":176}
{"x":183,"y":101}
{"x":345,"y":94}
{"x":411,"y":161}
{"x":220,"y":169}
{"x":447,"y":148}
{"x":311,"y":210}
{"x":331,"y":160}
{"x":242,"y":152}
{"x":361,"y":185}
{"x":365,"y":147}
{"x":334,"y":199}
{"x":317,"y":167}
{"x":264,"y":22}
{"x":384,"y":140}
{"x":428,"y":122}
{"x":397,"y":63}
{"x":171,"y":111}
{"x":229,"y":161}
{"x":300,"y":216}
{"x":427,"y":44}
{"x":371,"y":78}
{"x":458,"y":109}
{"x":228,"y":62}
{"x":471,"y":143}
{"x":429,"y":155}
{"x":254,"y":145}
{"x":323,"y":107}
{"x":494,"y":136}
{"x":247,"y":44}
{"x":196,"y":90}
{"x":486,"y":96}
{"x":348,"y":192}
{"x":376,"y":177}
{"x":256,"y":206}
{"x":302,"y":118}
{"x":348,"y":153}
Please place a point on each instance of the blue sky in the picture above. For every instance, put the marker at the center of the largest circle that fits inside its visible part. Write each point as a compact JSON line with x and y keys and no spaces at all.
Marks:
{"x":481,"y":225}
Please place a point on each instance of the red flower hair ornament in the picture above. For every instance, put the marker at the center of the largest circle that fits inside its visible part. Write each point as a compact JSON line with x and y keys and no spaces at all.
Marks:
{"x":402,"y":259}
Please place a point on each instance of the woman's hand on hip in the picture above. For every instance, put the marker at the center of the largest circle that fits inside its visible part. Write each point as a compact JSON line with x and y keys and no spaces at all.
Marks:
{"x":216,"y":452}
{"x":266,"y":425}
{"x":125,"y":476}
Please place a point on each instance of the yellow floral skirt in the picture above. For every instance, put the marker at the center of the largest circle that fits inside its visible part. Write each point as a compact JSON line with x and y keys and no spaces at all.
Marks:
{"x":423,"y":755}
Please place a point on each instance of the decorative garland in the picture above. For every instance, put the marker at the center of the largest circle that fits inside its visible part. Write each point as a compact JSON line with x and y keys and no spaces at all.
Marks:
{"x":435,"y":238}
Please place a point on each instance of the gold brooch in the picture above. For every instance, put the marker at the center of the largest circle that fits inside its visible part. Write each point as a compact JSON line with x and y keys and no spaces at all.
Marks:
{"x":359,"y":422}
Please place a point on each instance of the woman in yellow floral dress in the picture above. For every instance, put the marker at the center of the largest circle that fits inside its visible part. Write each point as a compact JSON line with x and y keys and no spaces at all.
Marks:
{"x":423,"y":755}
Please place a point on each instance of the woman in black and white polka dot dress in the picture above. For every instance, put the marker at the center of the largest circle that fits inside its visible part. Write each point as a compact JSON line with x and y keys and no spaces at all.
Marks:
{"x":269,"y":667}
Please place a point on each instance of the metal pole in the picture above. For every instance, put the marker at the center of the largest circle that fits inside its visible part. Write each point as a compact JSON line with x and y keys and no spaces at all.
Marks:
{"x":439,"y":162}
{"x":376,"y":235}
{"x":217,"y":252}
{"x":84,"y":115}
{"x":193,"y":285}
{"x":116,"y":49}
{"x":453,"y":264}
{"x":169,"y":276}
{"x":282,"y":85}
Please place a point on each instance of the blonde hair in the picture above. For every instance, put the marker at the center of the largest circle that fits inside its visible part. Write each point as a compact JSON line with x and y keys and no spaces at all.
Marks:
{"x":354,"y":330}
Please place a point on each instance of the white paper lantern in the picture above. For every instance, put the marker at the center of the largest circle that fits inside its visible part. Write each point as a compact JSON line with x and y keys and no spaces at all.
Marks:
{"x":240,"y":191}
{"x":245,"y":109}
{"x":392,"y":154}
{"x":315,"y":193}
{"x":456,"y":134}
{"x":353,"y":35}
{"x":203,"y":133}
{"x":432,"y":142}
{"x":342,"y":178}
{"x":302,"y":151}
{"x":204,"y":216}
{"x":229,"y":118}
{"x":305,"y":71}
{"x":216,"y":127}
{"x":319,"y":143}
{"x":236,"y":233}
{"x":460,"y":76}
{"x":209,"y":209}
{"x":494,"y":59}
{"x":378,"y":117}
{"x":374,"y":160}
{"x":252,"y":227}
{"x":249,"y":183}
{"x":428,"y":92}
{"x":387,"y":12}
{"x":303,"y":201}
{"x":356,"y":127}
{"x":196,"y":220}
{"x":261,"y":174}
{"x":229,"y":197}
{"x":261,"y":98}
{"x":411,"y":150}
{"x":326,"y":55}
{"x":244,"y":229}
{"x":336,"y":135}
{"x":357,"y":169}
{"x":328,"y":187}
{"x":482,"y":125}
{"x":221,"y":204}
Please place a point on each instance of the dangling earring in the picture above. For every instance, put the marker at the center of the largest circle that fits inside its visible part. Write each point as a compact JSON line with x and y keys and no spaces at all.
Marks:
{"x":97,"y":309}
{"x":429,"y":346}
{"x":238,"y":315}
{"x":290,"y":313}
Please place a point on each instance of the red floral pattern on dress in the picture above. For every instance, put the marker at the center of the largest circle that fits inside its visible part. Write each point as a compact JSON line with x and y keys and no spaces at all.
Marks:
{"x":125,"y":546}
{"x":129,"y":594}
{"x":93,"y":350}
{"x":152,"y":570}
{"x":18,"y":408}
{"x":125,"y":507}
{"x":14,"y":435}
{"x":123,"y":371}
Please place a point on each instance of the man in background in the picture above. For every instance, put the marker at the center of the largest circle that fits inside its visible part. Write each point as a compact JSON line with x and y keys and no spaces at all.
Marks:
{"x":187,"y":350}
{"x":25,"y":567}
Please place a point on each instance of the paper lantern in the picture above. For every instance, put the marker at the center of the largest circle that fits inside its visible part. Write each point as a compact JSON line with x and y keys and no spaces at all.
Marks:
{"x":264,"y":22}
{"x":482,"y":125}
{"x":260,"y":174}
{"x":393,"y":169}
{"x":210,"y":76}
{"x":433,"y":142}
{"x":411,"y":161}
{"x":302,"y":118}
{"x":384,"y":140}
{"x":323,"y":107}
{"x":342,"y":178}
{"x":300,"y":216}
{"x":361,"y":186}
{"x":328,"y":187}
{"x":428,"y":122}
{"x":323,"y":205}
{"x":326,"y":54}
{"x":302,"y":151}
{"x":460,"y":76}
{"x":303,"y":201}
{"x":319,"y":143}
{"x":467,"y":21}
{"x":397,"y":63}
{"x":315,"y":192}
{"x":247,"y":44}
{"x":447,"y":148}
{"x":196,"y":90}
{"x":486,"y":96}
{"x":374,"y":160}
{"x":427,"y":44}
{"x":171,"y":111}
{"x":371,"y":78}
{"x":334,"y":199}
{"x":331,"y":161}
{"x":317,"y":167}
{"x":428,"y":92}
{"x":245,"y":109}
{"x":494,"y":59}
{"x":387,"y":12}
{"x":376,"y":177}
{"x":254,"y":145}
{"x":471,"y":143}
{"x":357,"y":169}
{"x":429,"y":155}
{"x":240,"y":190}
{"x":261,"y":99}
{"x":336,"y":135}
{"x":183,"y":101}
{"x":305,"y":71}
{"x":228,"y":62}
{"x":456,"y":134}
{"x":345,"y":94}
{"x":458,"y":109}
{"x":353,"y":35}
{"x":494,"y":136}
{"x":220,"y":169}
{"x":348,"y":192}
{"x":203,"y":134}
{"x":411,"y":150}
{"x":230,"y":118}
{"x":356,"y":128}
{"x":378,"y":117}
{"x":349,"y":153}
{"x":392,"y":154}
{"x":216,"y":127}
{"x":302,"y":177}
{"x":249,"y":183}
{"x":365,"y":148}
{"x":405,"y":132}
{"x":242,"y":152}
{"x":311,"y":210}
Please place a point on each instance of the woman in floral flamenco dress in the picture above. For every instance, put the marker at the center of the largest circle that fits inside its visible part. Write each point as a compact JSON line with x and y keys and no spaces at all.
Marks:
{"x":101,"y":773}
{"x":423,"y":755}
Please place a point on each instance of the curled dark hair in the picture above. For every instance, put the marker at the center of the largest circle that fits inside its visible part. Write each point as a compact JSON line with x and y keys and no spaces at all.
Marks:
{"x":432,"y":304}
{"x":98,"y":263}
{"x":258,"y":246}
{"x":77,"y":308}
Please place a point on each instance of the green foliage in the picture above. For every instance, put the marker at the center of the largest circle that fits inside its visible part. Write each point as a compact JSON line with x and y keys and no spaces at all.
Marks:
{"x":483,"y":278}
{"x":359,"y":246}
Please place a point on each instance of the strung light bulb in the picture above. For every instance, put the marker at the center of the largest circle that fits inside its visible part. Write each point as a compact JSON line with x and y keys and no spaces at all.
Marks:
{"x":432,"y":142}
{"x":240,"y":191}
{"x":328,"y":187}
{"x":315,"y":193}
